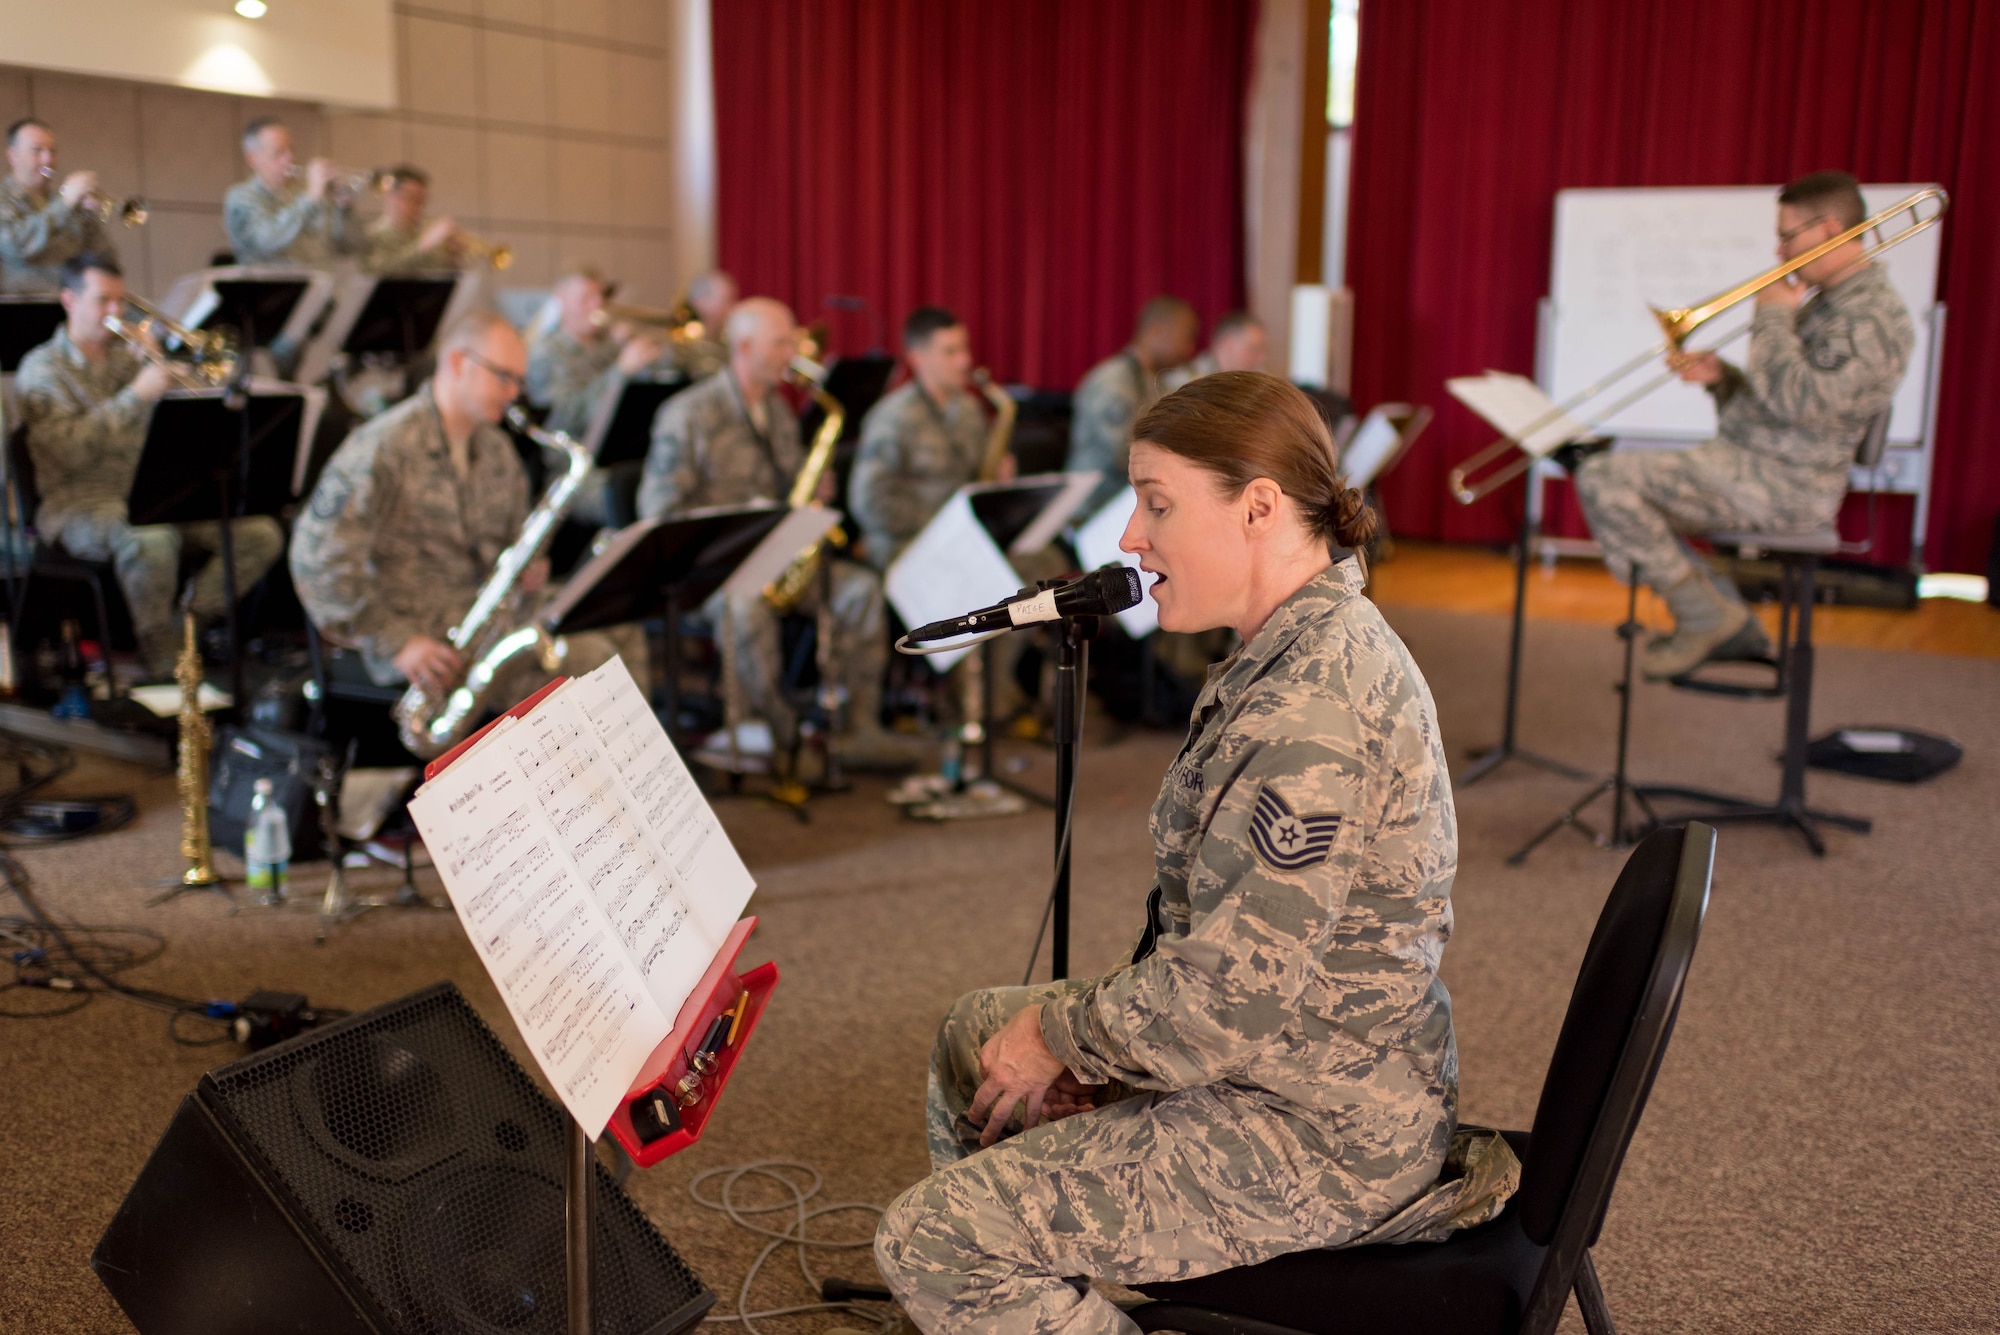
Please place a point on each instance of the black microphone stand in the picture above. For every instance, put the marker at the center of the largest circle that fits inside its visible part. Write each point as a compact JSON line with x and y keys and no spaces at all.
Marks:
{"x":1072,"y":660}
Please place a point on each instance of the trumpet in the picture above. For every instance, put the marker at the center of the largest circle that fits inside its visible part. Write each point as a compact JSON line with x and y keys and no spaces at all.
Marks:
{"x":375,"y":180}
{"x":679,"y":323}
{"x":1676,"y":325}
{"x":471,"y":246}
{"x":131,"y":211}
{"x":208,"y":361}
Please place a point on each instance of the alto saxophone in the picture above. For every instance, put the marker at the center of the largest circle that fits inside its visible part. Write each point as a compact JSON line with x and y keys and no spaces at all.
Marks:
{"x":786,"y":591}
{"x":492,"y":633}
{"x":1000,"y":435}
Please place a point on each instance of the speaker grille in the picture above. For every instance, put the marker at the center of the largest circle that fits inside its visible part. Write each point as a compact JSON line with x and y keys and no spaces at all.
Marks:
{"x":421,"y":1156}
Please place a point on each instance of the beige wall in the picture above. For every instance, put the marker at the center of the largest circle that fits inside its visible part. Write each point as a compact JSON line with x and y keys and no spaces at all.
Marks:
{"x":544,"y":123}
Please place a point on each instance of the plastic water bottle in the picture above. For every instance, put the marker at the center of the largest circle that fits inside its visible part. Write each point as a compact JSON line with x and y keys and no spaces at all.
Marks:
{"x":267,"y":845}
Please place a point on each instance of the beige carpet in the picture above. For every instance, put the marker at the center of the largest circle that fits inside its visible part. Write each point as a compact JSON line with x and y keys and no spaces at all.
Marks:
{"x":1820,"y":1150}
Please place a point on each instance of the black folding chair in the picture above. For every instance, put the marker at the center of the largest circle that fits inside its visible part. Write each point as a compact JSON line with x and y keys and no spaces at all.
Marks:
{"x":1514,"y":1273}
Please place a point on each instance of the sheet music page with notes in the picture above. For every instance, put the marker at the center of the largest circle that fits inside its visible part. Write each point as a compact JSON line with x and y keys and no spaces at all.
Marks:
{"x":548,"y":835}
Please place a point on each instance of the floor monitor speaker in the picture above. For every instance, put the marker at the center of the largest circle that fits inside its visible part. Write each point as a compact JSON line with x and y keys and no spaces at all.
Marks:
{"x":394,"y":1172}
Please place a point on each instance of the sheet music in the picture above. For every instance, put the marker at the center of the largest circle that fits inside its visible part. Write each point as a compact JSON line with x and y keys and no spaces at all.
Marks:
{"x":556,"y":750}
{"x":579,"y":1000}
{"x":947,"y":570}
{"x":666,"y":797}
{"x":1097,"y":545}
{"x":591,"y":876}
{"x":1369,"y":448}
{"x":1076,"y":490}
{"x":1513,"y":404}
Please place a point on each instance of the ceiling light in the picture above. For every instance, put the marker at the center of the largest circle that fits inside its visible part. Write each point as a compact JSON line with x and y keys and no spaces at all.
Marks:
{"x":251,"y":9}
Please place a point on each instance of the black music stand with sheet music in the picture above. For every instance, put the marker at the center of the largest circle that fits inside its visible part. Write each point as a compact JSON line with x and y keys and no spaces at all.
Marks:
{"x":621,"y":430}
{"x":658,"y":567}
{"x":205,"y":458}
{"x":399,"y":317}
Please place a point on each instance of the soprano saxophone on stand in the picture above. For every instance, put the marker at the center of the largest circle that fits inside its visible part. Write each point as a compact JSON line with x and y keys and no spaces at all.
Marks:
{"x":191,"y":773}
{"x":494,"y":632}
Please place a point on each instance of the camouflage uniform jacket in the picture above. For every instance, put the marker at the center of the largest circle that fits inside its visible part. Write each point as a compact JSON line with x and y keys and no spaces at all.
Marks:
{"x":1813,"y":381}
{"x":1108,"y":400}
{"x":706,"y":451}
{"x":394,"y":542}
{"x":1305,"y":845}
{"x":286,"y":228}
{"x":35,"y":239}
{"x":914,"y":454}
{"x":85,"y":426}
{"x":1201,"y":364}
{"x":568,"y":376}
{"x":389,"y":249}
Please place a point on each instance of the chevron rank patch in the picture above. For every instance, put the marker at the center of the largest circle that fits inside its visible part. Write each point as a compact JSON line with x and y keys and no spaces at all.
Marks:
{"x":1287,"y":840}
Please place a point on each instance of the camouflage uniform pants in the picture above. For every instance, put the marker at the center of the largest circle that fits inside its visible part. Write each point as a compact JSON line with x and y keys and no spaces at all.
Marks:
{"x":1639,"y":502}
{"x":859,"y":650}
{"x":1151,"y":1186}
{"x":147,"y":559}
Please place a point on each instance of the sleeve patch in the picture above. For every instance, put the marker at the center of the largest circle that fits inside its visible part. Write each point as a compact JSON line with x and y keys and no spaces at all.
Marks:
{"x":1287,"y":840}
{"x":330,"y":497}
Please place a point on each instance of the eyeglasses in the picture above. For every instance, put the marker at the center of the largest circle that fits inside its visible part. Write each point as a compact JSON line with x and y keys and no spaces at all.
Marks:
{"x":504,"y":376}
{"x":1786,"y":238}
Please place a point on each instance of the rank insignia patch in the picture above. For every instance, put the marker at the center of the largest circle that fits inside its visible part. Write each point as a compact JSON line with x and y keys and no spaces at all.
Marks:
{"x":1287,"y":840}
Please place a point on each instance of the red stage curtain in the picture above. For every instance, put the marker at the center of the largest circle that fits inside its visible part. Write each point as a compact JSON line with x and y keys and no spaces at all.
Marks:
{"x":1473,"y":114}
{"x":1040,"y":167}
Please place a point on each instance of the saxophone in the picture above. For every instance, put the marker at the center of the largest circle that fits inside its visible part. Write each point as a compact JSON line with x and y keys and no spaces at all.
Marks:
{"x":1000,"y":435}
{"x":492,"y":634}
{"x":786,"y":591}
{"x":191,"y":773}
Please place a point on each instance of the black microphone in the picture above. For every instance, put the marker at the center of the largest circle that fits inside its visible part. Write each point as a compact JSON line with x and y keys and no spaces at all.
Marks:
{"x":1097,"y":594}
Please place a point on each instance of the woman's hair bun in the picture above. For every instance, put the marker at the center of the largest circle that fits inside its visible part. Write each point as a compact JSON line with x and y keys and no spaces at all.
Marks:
{"x":1348,"y":519}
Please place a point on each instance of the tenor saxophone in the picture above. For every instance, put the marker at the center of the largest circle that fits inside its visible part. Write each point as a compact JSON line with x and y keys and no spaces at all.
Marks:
{"x":784,"y":593}
{"x":493,"y":633}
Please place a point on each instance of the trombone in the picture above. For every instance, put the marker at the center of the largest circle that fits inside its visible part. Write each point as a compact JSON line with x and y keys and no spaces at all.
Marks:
{"x":680,"y":323}
{"x":209,"y":363}
{"x":1676,"y":325}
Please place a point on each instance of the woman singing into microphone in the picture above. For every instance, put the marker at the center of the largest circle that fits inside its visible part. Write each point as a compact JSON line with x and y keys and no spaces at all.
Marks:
{"x":1273,"y":1068}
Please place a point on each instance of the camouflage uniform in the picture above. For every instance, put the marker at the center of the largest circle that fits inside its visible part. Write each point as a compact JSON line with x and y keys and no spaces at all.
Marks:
{"x":1108,"y":400}
{"x":395,"y":543}
{"x":35,"y":238}
{"x":1788,"y":423}
{"x":1277,"y":1055}
{"x":707,"y":452}
{"x":1203,"y":363}
{"x":569,"y":377}
{"x":914,"y":454}
{"x":389,"y":249}
{"x":288,"y":227}
{"x":86,"y":428}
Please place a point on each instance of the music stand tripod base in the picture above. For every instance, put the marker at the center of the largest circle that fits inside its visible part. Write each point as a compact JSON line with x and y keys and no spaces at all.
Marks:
{"x":194,"y":881}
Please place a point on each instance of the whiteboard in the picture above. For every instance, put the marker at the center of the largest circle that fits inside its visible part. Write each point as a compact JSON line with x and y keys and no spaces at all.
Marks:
{"x":1617,"y":252}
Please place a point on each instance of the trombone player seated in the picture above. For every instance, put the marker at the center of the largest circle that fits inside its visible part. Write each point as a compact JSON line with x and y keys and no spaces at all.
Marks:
{"x":1788,"y":421}
{"x":412,"y":512}
{"x":86,"y":401}
{"x":732,"y":439}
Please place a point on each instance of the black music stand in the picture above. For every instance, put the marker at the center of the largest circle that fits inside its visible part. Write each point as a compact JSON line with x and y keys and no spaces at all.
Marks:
{"x":25,"y":324}
{"x":622,"y":431}
{"x":258,"y":309}
{"x":218,"y":457}
{"x":400,"y":317}
{"x":655,"y":568}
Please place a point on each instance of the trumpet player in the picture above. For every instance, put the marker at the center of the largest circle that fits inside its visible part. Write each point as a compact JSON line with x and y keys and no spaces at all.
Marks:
{"x":401,"y":241}
{"x":1237,"y":343}
{"x":86,"y":401}
{"x":576,"y":361}
{"x":43,"y":223}
{"x":698,"y":351}
{"x":283,"y":214}
{"x":1788,"y":421}
{"x":732,"y":439}
{"x":412,"y":512}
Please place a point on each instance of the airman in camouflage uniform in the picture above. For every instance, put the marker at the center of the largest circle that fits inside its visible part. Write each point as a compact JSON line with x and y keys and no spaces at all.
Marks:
{"x":388,"y":250}
{"x":86,"y":427}
{"x":39,"y":226}
{"x":915,"y":452}
{"x":1276,"y":1063}
{"x":1114,"y":392}
{"x":1788,"y":423}
{"x":708,"y":451}
{"x":395,"y":543}
{"x":568,"y":376}
{"x":287,"y":226}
